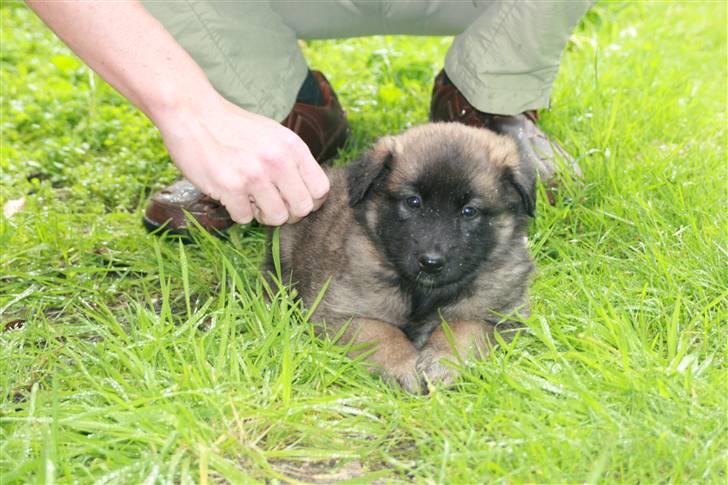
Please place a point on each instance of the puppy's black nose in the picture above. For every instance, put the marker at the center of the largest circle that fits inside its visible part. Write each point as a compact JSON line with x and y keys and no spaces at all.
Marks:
{"x":431,"y":262}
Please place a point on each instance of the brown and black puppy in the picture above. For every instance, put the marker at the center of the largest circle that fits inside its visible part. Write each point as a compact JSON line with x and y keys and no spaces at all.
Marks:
{"x":427,"y":226}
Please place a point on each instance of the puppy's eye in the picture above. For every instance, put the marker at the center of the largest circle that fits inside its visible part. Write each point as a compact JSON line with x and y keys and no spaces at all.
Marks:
{"x":469,"y":212}
{"x":413,"y":202}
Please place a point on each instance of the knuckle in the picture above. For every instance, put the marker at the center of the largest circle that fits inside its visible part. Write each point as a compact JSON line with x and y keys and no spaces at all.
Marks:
{"x":254,"y":176}
{"x":278,"y":163}
{"x":273,"y":154}
{"x":231,"y":185}
{"x":291,"y":141}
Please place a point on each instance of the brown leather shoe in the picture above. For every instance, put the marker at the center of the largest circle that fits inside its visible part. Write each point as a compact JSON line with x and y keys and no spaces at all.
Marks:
{"x":448,"y":104}
{"x":323,"y":128}
{"x":167,"y":208}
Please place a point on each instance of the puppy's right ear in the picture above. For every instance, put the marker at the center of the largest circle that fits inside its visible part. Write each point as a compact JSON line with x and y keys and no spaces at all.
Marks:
{"x":370,"y":171}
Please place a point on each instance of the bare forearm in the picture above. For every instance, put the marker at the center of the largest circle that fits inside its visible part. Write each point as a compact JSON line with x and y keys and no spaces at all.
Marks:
{"x":131,"y":50}
{"x":252,"y":164}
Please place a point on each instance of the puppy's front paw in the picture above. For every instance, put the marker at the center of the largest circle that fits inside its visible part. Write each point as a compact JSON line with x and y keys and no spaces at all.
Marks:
{"x":436,"y":366}
{"x":405,"y":375}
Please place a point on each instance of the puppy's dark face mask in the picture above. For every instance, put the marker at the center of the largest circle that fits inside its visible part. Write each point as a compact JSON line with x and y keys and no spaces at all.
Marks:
{"x":435,"y":230}
{"x":438,"y":209}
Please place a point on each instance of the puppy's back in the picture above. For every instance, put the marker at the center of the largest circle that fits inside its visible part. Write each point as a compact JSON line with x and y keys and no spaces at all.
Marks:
{"x":314,"y":248}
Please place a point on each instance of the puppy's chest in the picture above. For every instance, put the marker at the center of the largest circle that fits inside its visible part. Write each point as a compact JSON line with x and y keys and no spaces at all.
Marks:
{"x":365,"y":300}
{"x":369,"y":296}
{"x":426,"y":309}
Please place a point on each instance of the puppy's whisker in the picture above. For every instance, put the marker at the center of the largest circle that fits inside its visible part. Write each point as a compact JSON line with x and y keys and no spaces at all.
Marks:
{"x":424,"y":283}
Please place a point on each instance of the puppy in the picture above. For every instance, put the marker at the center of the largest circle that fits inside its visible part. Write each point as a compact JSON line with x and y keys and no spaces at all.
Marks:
{"x":427,"y":227}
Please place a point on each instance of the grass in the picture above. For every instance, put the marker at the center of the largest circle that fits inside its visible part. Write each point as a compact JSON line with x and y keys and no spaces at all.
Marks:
{"x":127,"y":358}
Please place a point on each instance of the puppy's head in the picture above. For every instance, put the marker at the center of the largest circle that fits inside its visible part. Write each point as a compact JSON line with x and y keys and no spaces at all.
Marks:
{"x":441,"y":199}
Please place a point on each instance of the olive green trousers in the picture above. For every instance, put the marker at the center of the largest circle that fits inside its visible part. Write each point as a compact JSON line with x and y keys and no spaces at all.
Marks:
{"x":504,"y":57}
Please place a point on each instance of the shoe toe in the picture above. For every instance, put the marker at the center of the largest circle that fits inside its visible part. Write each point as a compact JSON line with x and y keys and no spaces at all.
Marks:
{"x":169,"y":206}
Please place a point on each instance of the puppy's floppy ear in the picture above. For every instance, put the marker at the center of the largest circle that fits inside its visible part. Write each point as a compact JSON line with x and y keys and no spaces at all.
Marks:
{"x":369,"y":171}
{"x":517,"y":171}
{"x":523,"y":179}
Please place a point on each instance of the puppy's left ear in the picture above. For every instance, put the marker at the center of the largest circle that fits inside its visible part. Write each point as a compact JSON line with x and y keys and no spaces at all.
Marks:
{"x":370,"y":171}
{"x":517,"y":171}
{"x":524,"y":181}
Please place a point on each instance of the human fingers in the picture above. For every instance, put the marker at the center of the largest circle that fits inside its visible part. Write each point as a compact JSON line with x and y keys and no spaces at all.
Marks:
{"x":239,"y":207}
{"x":282,"y":165}
{"x":295,"y":194}
{"x":271,"y":210}
{"x":259,"y":215}
{"x":314,"y":178}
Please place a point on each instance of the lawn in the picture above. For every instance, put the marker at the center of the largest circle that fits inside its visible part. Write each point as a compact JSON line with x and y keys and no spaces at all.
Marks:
{"x":129,"y":358}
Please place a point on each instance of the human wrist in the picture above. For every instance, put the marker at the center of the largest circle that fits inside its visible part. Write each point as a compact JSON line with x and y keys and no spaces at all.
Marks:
{"x":173,"y":101}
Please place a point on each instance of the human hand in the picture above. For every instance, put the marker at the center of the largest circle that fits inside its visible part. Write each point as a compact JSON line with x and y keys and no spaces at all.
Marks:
{"x":254,"y":166}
